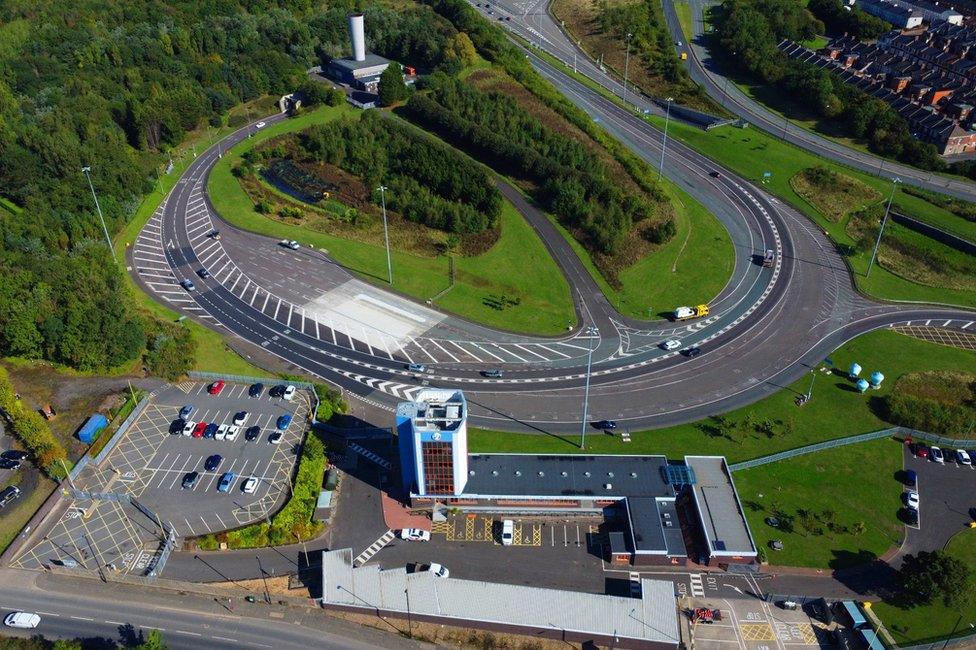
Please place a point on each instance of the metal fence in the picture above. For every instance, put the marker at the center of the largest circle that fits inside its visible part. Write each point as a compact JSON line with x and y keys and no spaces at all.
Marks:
{"x":110,"y":445}
{"x":244,"y":379}
{"x":809,"y":449}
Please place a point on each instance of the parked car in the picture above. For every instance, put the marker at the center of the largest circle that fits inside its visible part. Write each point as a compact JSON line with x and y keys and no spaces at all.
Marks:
{"x":292,"y":244}
{"x":190,"y":480}
{"x":508,"y":532}
{"x":415,"y":535}
{"x":186,"y":411}
{"x":232,"y":433}
{"x":199,"y":429}
{"x":937,"y":454}
{"x":221,"y":432}
{"x":15,"y":454}
{"x":439,"y":570}
{"x":241,"y":418}
{"x":188,"y":285}
{"x":22,"y":620}
{"x":289,"y":393}
{"x":494,"y":373}
{"x":250,"y":485}
{"x":203,"y":273}
{"x":8,"y":494}
{"x":283,"y":422}
{"x":416,"y":367}
{"x":606,"y":425}
{"x":213,"y":462}
{"x":670,"y":344}
{"x":252,"y":433}
{"x":911,"y":478}
{"x":225,"y":481}
{"x":274,"y":438}
{"x":911,"y":517}
{"x":963,"y":458}
{"x":277,"y":391}
{"x":911,"y":499}
{"x":255,"y":390}
{"x":216,"y":387}
{"x":176,"y":426}
{"x":259,"y":125}
{"x":921,"y":451}
{"x":188,"y":427}
{"x":692,"y":352}
{"x":210,"y":431}
{"x":6,"y":463}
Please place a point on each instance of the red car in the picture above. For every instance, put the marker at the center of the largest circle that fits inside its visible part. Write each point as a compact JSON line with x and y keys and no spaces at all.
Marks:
{"x":216,"y":387}
{"x":198,"y":430}
{"x":922,"y":451}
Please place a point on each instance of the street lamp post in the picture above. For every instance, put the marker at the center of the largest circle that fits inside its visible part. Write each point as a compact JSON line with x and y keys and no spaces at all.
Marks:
{"x":664,"y":143}
{"x":884,"y":221}
{"x":386,"y":235}
{"x":593,"y":333}
{"x":98,"y":208}
{"x":813,"y":376}
{"x":626,"y":66}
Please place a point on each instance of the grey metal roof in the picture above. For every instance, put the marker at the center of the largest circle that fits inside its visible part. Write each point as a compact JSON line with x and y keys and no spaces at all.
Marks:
{"x":653,"y":617}
{"x":719,"y":510}
{"x":655,"y":527}
{"x":567,"y":476}
{"x":349,"y":63}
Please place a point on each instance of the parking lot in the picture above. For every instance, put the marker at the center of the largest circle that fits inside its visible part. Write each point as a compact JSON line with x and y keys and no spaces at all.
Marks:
{"x":148,"y":467}
{"x":753,"y":624}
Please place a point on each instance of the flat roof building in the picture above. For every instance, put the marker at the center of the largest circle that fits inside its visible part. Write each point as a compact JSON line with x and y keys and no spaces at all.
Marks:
{"x":720,"y":513}
{"x":433,"y":441}
{"x":363,"y":69}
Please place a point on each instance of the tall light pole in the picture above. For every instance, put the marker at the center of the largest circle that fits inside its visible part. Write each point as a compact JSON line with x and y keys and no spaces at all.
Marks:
{"x":593,"y":333}
{"x":664,"y":143}
{"x":884,"y":221}
{"x":108,"y":240}
{"x":626,"y":66}
{"x":386,"y":235}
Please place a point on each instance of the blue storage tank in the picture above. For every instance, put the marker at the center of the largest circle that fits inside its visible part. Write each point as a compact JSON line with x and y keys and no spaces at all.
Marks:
{"x":92,"y":426}
{"x":862,"y":385}
{"x":876,"y":379}
{"x":855,"y":370}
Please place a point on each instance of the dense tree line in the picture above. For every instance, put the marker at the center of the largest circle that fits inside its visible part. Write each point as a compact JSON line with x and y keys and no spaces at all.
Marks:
{"x":571,"y":182}
{"x":749,"y":31}
{"x":115,"y":86}
{"x":428,"y":182}
{"x":840,"y":19}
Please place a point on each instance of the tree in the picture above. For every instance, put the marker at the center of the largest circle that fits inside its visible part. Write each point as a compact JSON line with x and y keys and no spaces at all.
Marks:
{"x":929,"y":574}
{"x":392,"y":88}
{"x":154,"y":641}
{"x":462,"y":49}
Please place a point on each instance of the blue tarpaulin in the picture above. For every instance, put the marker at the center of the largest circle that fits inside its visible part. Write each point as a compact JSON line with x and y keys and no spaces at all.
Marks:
{"x":92,"y":426}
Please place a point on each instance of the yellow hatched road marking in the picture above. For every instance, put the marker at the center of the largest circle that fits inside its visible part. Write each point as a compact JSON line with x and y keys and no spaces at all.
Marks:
{"x":756,"y":632}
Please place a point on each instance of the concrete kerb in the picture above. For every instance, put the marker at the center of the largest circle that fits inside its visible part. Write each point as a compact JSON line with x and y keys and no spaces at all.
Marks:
{"x":36,"y":523}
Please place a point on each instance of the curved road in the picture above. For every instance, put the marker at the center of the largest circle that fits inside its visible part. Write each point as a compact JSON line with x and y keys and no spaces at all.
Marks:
{"x":767,"y":326}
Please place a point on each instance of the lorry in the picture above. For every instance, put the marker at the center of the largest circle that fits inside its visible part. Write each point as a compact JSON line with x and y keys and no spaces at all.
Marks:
{"x":769,"y":258}
{"x":687,"y":313}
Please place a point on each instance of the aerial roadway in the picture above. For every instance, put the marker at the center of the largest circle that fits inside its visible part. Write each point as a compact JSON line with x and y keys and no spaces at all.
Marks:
{"x":765,"y":329}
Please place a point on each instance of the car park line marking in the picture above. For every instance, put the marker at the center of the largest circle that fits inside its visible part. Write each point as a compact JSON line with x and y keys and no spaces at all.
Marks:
{"x":275,"y":317}
{"x":223,"y":526}
{"x":456,"y":360}
{"x":488,"y":352}
{"x":464,"y":350}
{"x":508,"y":351}
{"x":239,"y":276}
{"x":188,"y":526}
{"x":206,"y":526}
{"x":545,"y":347}
{"x":522,"y":347}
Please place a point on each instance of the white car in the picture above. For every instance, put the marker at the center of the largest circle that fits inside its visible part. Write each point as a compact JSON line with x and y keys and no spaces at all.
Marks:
{"x":289,"y":393}
{"x":232,"y":433}
{"x":963,"y":457}
{"x":221,"y":432}
{"x":439,"y":570}
{"x":188,"y":427}
{"x":241,"y":418}
{"x":260,"y":125}
{"x":671,"y":344}
{"x":415,"y":535}
{"x":936,"y":454}
{"x":24,"y":620}
{"x":912,"y":499}
{"x":250,"y":485}
{"x":508,"y":532}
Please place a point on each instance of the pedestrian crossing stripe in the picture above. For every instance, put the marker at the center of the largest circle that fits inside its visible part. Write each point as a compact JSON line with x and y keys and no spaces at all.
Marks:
{"x":374,"y":548}
{"x":697,"y":588}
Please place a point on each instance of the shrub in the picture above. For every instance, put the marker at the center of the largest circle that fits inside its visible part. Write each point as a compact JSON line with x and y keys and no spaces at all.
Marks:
{"x":32,"y":430}
{"x":662,"y":232}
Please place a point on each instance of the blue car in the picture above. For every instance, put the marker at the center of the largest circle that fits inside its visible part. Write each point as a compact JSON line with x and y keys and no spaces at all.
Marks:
{"x":283,"y":422}
{"x":212,"y":463}
{"x":186,"y":410}
{"x":225,"y":482}
{"x":210,"y":431}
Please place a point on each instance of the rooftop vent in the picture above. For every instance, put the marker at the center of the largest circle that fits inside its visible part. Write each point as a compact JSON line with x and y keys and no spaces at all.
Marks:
{"x":471,"y":472}
{"x":633,"y":475}
{"x":541,"y":473}
{"x":586,"y":473}
{"x":610,"y":474}
{"x":518,"y":472}
{"x":608,"y":486}
{"x":565,"y":473}
{"x":494,"y":472}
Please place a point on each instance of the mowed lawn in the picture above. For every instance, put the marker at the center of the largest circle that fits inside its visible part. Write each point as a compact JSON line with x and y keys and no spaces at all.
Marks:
{"x":929,"y":623}
{"x":858,"y":483}
{"x":517,"y":266}
{"x":835,"y":411}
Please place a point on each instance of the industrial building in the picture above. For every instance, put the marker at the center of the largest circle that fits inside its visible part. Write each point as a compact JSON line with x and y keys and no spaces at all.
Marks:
{"x":650,"y":621}
{"x":362,"y":70}
{"x":648,"y":493}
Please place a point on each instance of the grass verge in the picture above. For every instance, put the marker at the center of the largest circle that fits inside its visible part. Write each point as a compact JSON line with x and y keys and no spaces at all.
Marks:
{"x":17,"y":514}
{"x":773,"y":424}
{"x":832,"y":511}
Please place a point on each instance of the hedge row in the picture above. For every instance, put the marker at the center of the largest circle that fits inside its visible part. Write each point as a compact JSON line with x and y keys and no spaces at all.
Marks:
{"x":32,"y":429}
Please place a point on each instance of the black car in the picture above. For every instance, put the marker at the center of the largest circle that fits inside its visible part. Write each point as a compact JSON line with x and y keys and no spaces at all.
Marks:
{"x":274,"y":438}
{"x":691,"y":352}
{"x":203,"y":273}
{"x":210,"y":431}
{"x":190,"y":480}
{"x":911,"y":516}
{"x":252,"y":433}
{"x":494,"y":373}
{"x":255,"y":390}
{"x":176,"y":426}
{"x":213,"y":462}
{"x":606,"y":425}
{"x":277,"y":391}
{"x":15,"y":454}
{"x":714,"y":174}
{"x":8,"y":494}
{"x":6,"y":463}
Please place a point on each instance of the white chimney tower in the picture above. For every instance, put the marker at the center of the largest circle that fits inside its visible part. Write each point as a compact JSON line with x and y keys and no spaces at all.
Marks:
{"x":358,"y":37}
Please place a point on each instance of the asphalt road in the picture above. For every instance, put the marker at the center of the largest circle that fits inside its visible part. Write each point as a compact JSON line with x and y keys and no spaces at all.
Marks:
{"x":83,"y":608}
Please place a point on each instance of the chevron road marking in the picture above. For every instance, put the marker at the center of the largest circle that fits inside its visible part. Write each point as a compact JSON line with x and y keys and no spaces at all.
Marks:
{"x":374,"y":548}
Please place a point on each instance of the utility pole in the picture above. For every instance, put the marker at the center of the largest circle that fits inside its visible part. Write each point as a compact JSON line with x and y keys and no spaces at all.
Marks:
{"x":813,"y":376}
{"x":108,"y":240}
{"x":626,"y":66}
{"x":386,"y":235}
{"x":664,"y":143}
{"x":884,"y":221}
{"x":593,"y":333}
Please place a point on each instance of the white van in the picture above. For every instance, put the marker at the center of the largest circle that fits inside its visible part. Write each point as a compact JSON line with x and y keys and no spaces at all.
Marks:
{"x":508,"y":532}
{"x":23,"y":620}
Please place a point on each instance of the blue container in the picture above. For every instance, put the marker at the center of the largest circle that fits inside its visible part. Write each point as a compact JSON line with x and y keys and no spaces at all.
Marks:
{"x":862,"y":385}
{"x":855,"y":370}
{"x":876,"y":379}
{"x":92,"y":426}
